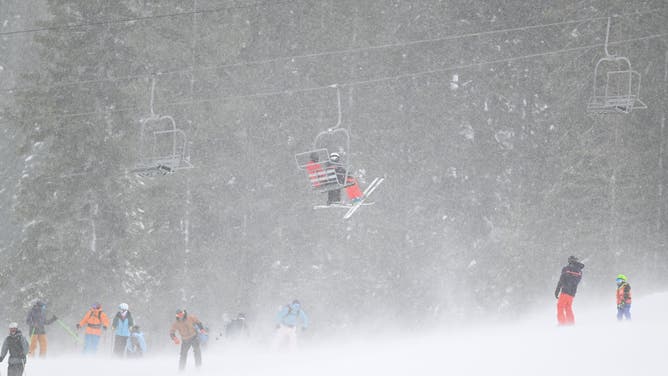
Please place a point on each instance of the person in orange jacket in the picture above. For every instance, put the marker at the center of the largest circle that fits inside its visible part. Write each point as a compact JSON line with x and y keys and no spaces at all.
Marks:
{"x":623,"y":298}
{"x":95,"y":320}
{"x":189,"y":327}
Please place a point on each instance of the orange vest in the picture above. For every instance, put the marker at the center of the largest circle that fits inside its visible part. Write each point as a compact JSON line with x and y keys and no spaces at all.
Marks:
{"x":624,"y":293}
{"x":94,"y":320}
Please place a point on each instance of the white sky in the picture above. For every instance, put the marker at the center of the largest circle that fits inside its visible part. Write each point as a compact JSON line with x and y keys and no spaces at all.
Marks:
{"x":596,"y":345}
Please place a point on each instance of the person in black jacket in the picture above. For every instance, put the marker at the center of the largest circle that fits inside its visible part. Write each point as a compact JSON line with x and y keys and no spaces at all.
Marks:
{"x":37,"y":319}
{"x":17,"y":346}
{"x":571,"y":275}
{"x":237,"y":328}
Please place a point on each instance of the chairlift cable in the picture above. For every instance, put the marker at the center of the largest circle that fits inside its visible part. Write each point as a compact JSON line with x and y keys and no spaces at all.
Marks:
{"x":322,"y":54}
{"x":354,"y":83}
{"x":147,"y":18}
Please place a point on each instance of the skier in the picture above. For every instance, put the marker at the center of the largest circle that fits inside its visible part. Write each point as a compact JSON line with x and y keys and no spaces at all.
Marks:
{"x":353,"y":190}
{"x":136,"y":345}
{"x":188,"y":327}
{"x":566,"y":289}
{"x":17,"y":346}
{"x":237,"y":328}
{"x":121,"y":325}
{"x":95,"y":320}
{"x":37,"y":319}
{"x":288,"y":319}
{"x":623,"y":298}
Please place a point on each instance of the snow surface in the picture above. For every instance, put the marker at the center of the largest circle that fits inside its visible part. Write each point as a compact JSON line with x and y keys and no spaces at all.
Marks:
{"x":596,"y":345}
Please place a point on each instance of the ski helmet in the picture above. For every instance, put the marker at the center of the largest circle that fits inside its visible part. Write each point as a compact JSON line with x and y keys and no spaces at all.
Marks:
{"x":180,"y":313}
{"x":96,"y":305}
{"x":573,"y":259}
{"x":621,"y":278}
{"x":123,"y":306}
{"x":13,"y":325}
{"x":335,"y":157}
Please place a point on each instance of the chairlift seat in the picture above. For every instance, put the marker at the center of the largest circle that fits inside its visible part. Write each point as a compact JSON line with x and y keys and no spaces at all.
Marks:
{"x":620,"y":93}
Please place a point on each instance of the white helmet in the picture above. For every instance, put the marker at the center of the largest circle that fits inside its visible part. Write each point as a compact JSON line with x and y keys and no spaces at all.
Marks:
{"x":13,"y":325}
{"x":334,"y":157}
{"x":123,"y":306}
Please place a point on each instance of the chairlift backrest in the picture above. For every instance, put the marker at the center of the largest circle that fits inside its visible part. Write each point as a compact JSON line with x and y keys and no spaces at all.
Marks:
{"x":323,"y":173}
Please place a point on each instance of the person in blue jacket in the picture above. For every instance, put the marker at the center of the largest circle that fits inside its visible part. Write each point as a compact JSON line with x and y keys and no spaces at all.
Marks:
{"x":288,"y":319}
{"x":136,"y":346}
{"x":121,"y":325}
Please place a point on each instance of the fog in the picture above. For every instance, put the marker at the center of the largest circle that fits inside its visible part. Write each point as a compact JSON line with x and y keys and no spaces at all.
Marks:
{"x":596,"y":345}
{"x":151,"y":155}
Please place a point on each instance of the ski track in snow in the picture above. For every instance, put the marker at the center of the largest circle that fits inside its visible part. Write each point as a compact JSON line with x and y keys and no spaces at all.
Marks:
{"x":596,"y":345}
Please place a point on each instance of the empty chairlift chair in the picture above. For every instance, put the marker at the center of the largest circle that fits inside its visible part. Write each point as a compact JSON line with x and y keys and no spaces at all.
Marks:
{"x":616,"y":85}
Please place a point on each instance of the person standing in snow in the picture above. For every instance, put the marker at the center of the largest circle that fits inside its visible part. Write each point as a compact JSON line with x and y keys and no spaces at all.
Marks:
{"x":37,"y":319}
{"x":623,"y":298}
{"x":17,"y":346}
{"x":188,"y":327}
{"x":288,"y":319}
{"x":121,"y":325}
{"x":237,"y":328}
{"x":95,"y":320}
{"x":136,"y":345}
{"x":567,"y":286}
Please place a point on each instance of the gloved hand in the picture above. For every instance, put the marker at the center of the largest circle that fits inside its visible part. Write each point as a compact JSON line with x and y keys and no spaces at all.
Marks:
{"x":78,"y":326}
{"x":176,"y":340}
{"x":620,"y":306}
{"x":556,"y":293}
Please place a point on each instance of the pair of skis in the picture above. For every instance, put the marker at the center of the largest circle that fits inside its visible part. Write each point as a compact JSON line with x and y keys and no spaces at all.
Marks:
{"x":352,"y":208}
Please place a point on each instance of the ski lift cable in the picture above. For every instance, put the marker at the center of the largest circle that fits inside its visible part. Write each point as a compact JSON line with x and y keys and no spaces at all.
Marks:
{"x":267,"y":3}
{"x":355,"y":83}
{"x":324,"y":53}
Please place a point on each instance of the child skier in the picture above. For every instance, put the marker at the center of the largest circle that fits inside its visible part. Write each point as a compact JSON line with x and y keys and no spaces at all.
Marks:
{"x":623,"y":298}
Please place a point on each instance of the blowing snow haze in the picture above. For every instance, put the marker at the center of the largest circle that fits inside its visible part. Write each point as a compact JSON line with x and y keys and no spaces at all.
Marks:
{"x":151,"y":156}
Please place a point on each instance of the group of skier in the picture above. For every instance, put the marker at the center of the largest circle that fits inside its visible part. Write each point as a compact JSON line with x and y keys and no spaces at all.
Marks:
{"x":128,"y":338}
{"x":571,"y":274}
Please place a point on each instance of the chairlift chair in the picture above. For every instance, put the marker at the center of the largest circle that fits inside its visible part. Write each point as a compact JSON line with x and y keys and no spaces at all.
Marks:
{"x":317,"y":162}
{"x":616,"y":88}
{"x":616,"y":84}
{"x":162,"y":146}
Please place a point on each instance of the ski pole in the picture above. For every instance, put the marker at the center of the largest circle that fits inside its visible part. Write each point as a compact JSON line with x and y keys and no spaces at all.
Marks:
{"x":68,"y":330}
{"x":32,"y":335}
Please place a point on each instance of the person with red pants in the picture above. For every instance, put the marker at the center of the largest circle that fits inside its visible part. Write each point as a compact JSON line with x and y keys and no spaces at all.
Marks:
{"x":567,"y":286}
